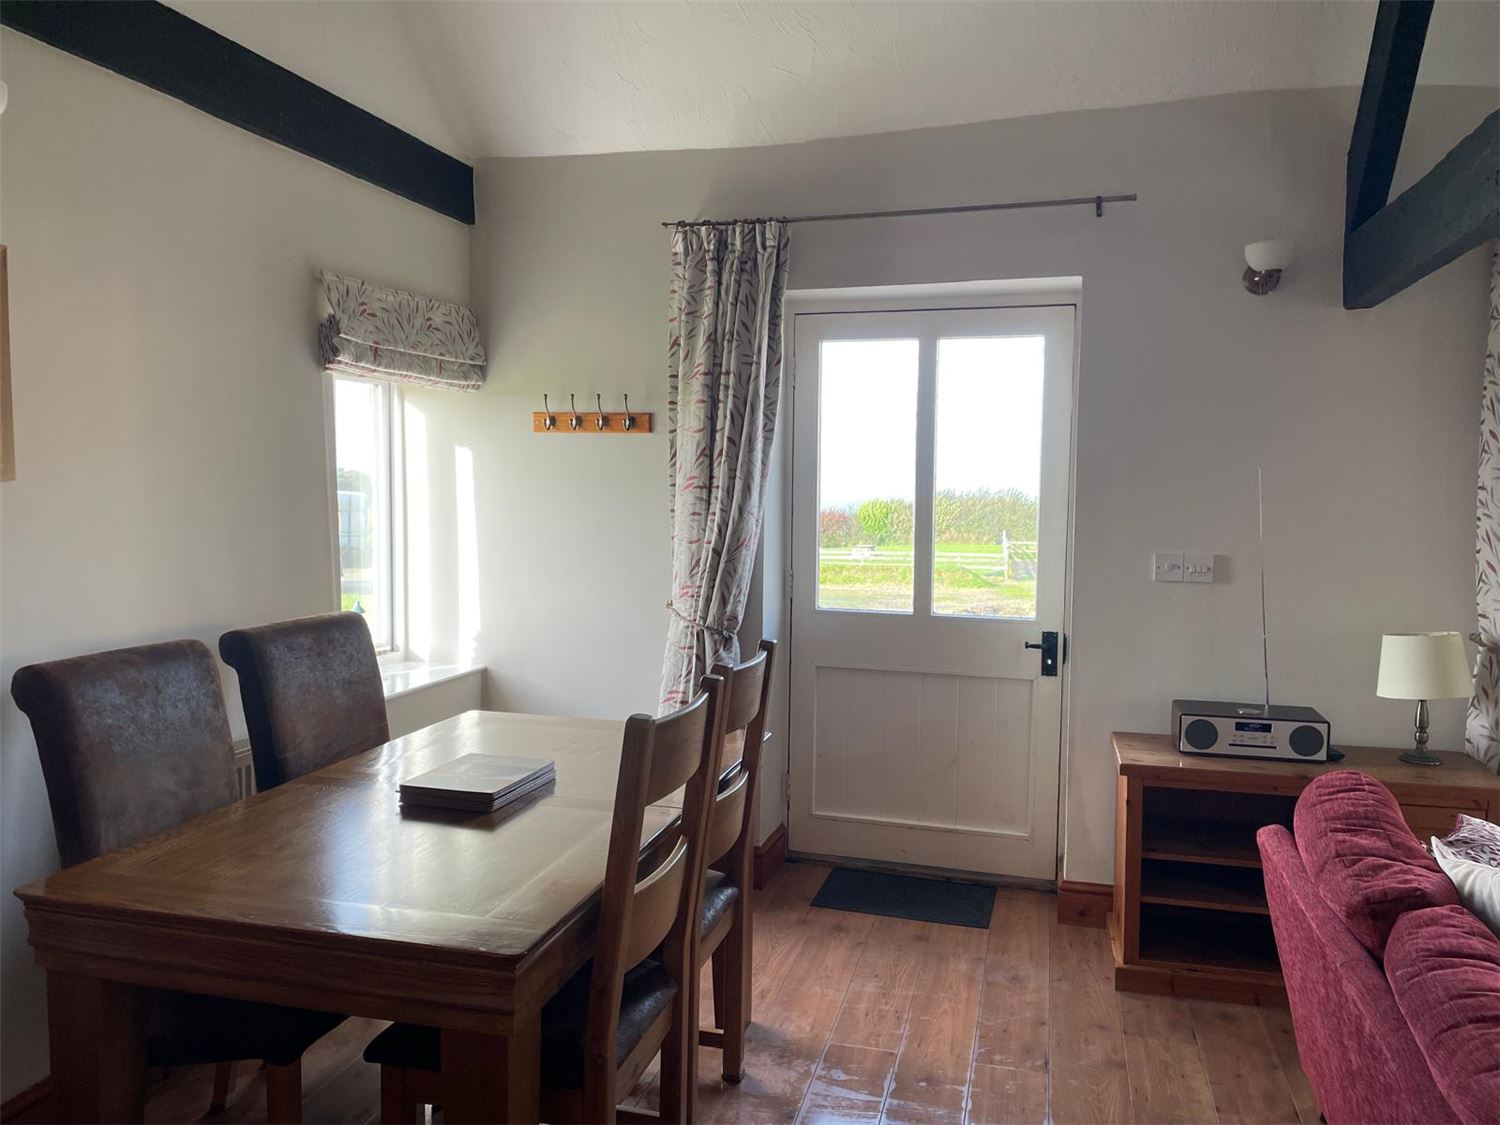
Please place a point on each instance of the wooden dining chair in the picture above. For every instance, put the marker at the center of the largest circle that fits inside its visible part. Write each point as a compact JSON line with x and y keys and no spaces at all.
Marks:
{"x":311,"y":691}
{"x":725,"y":933}
{"x":636,"y":997}
{"x":132,"y":743}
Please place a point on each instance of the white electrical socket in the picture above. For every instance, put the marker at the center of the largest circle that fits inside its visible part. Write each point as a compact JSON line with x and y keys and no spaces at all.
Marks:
{"x":1166,"y":566}
{"x":1197,"y":567}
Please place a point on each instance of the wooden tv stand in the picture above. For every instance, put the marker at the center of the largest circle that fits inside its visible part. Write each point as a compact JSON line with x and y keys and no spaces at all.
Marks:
{"x":1190,"y":916}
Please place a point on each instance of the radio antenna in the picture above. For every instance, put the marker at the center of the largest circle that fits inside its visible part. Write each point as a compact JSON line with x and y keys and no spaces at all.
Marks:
{"x":1265,"y":650}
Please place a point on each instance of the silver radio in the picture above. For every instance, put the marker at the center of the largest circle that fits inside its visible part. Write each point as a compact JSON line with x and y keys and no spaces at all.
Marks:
{"x":1250,"y":730}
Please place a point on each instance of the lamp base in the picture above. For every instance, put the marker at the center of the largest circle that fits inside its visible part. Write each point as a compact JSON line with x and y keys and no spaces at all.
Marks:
{"x":1419,"y":755}
{"x":1423,"y":757}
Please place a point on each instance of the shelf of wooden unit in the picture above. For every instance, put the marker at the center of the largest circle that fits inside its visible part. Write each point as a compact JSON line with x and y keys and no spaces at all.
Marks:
{"x":1199,"y":841}
{"x":1190,"y":916}
{"x":1233,"y":889}
{"x":1187,"y":939}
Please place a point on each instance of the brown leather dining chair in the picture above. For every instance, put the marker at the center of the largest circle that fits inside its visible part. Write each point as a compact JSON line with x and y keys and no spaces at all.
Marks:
{"x":635,"y":998}
{"x":311,"y":691}
{"x":725,"y":935}
{"x":132,"y":743}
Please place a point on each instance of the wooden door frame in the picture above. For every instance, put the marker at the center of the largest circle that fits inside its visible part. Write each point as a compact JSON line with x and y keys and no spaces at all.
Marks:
{"x":1048,"y":292}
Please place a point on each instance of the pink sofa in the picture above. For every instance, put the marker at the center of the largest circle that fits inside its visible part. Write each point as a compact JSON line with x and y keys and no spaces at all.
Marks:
{"x":1394,"y":987}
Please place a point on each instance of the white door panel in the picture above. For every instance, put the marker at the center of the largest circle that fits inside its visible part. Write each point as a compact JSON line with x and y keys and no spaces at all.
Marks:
{"x":929,"y":539}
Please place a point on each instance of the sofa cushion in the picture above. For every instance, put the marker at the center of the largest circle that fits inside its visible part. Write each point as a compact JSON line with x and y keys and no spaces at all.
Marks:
{"x":1444,"y":968}
{"x":1363,"y":858}
{"x":1354,"y":1043}
{"x":1477,"y":884}
{"x":1475,"y":840}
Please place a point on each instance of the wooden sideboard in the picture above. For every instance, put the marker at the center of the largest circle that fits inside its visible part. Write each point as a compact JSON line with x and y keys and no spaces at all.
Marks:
{"x":1190,"y":916}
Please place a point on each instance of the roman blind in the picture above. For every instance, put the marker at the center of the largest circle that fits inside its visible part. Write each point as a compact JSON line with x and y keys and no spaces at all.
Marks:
{"x":376,"y":332}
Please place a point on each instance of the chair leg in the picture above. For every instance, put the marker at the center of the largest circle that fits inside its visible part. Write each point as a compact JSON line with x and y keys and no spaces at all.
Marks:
{"x":223,"y":1077}
{"x":284,"y":1094}
{"x":679,"y":1062}
{"x":734,"y":1013}
{"x":720,"y":963}
{"x":396,"y":1107}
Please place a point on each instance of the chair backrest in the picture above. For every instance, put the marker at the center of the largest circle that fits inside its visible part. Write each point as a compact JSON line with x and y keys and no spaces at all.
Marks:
{"x":311,"y":690}
{"x":640,"y":913}
{"x":747,"y":688}
{"x":132,"y":742}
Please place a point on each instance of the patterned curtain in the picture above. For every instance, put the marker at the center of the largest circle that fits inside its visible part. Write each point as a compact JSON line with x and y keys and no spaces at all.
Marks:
{"x":376,"y":332}
{"x":1483,"y":740}
{"x":724,"y":378}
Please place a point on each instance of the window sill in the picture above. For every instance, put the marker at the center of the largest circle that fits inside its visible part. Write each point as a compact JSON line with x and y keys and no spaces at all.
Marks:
{"x":402,"y":677}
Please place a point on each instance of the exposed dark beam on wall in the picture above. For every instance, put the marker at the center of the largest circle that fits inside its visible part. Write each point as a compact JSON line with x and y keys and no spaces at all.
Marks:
{"x":1452,"y":209}
{"x":164,"y":49}
{"x":1390,"y":77}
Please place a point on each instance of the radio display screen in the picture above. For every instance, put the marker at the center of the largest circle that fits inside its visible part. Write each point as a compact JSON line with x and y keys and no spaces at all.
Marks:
{"x":1252,"y":728}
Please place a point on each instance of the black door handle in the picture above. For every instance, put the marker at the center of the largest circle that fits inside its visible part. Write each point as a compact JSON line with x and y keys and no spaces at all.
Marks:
{"x":1048,"y":649}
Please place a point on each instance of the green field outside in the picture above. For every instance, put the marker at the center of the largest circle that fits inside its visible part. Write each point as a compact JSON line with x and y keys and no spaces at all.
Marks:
{"x":968,"y":579}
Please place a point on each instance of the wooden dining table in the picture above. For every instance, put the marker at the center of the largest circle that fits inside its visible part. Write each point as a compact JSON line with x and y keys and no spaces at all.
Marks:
{"x":325,"y":893}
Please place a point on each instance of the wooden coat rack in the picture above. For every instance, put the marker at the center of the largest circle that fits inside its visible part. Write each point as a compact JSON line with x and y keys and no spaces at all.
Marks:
{"x":600,"y":421}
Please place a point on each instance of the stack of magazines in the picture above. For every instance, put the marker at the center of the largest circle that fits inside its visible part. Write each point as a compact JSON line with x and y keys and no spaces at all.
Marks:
{"x":478,"y":783}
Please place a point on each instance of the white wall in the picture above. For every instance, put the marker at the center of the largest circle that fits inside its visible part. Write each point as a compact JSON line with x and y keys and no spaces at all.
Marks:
{"x":170,"y":434}
{"x":169,"y":413}
{"x":1364,"y":421}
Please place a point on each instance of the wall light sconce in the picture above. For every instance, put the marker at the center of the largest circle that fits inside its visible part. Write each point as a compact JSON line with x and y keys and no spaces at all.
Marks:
{"x":1264,"y":262}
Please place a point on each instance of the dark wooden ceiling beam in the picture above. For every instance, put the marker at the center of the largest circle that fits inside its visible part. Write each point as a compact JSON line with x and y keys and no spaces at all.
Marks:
{"x":1452,"y":209}
{"x":1385,"y":98}
{"x":1448,"y":212}
{"x":164,"y":49}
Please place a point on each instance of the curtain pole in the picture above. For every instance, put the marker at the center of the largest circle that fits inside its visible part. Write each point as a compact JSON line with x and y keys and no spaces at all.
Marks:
{"x":1097,"y":201}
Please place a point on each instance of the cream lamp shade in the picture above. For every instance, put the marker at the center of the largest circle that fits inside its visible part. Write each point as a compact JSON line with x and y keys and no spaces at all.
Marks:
{"x":1424,"y":666}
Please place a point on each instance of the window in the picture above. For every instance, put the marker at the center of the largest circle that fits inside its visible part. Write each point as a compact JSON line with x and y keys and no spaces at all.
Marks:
{"x":867,"y":457}
{"x":364,"y":413}
{"x":987,"y":475}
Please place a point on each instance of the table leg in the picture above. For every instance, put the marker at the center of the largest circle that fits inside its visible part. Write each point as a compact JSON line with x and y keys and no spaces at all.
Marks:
{"x":98,"y":1049}
{"x":493,"y":1078}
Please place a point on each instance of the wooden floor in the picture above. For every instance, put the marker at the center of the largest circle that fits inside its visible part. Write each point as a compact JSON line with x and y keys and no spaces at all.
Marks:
{"x":866,"y":1019}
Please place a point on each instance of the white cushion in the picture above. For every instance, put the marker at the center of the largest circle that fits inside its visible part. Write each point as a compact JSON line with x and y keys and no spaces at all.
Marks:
{"x":1478,"y":884}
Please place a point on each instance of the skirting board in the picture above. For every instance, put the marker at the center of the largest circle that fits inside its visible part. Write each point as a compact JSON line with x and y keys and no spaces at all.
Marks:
{"x":1084,"y":904}
{"x":770,"y":855}
{"x":28,"y":1105}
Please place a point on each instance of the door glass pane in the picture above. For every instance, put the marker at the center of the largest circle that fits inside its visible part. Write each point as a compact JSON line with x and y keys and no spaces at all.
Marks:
{"x":362,"y":445}
{"x":987,"y":476}
{"x":867,"y":473}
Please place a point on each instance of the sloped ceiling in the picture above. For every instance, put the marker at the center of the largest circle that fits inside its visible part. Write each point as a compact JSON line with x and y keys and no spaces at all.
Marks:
{"x":549,"y":78}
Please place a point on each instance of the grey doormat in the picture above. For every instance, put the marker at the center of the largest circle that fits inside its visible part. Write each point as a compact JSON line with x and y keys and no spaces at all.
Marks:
{"x":907,"y":896}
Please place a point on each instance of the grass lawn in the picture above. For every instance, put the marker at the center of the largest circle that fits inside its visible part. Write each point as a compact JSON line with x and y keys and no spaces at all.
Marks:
{"x":968,"y":578}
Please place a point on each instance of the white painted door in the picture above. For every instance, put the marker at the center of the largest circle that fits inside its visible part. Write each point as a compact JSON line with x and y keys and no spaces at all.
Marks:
{"x":930,"y":501}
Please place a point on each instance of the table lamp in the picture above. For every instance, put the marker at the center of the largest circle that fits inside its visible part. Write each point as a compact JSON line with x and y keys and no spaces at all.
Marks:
{"x":1423,"y":666}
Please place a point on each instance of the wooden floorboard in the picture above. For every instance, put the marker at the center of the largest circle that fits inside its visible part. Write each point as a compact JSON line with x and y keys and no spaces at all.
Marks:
{"x":1278,"y":1025}
{"x":1086,"y":1044}
{"x":867,"y":1020}
{"x":1168,"y":1084}
{"x":1243,"y":1070}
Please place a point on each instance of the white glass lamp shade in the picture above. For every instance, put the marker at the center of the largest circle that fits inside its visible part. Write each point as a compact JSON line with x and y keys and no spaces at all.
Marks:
{"x":1275,"y":254}
{"x":1424,"y":666}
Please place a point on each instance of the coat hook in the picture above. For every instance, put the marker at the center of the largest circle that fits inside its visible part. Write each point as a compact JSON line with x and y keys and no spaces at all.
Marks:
{"x":601,"y":419}
{"x":1098,"y":206}
{"x":550,"y":422}
{"x":575,"y":421}
{"x":629,"y":418}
